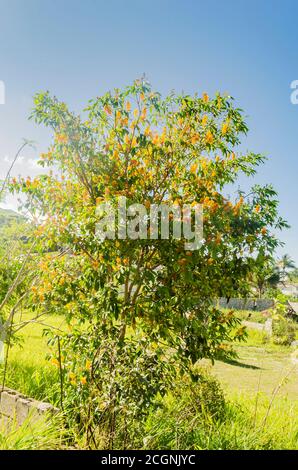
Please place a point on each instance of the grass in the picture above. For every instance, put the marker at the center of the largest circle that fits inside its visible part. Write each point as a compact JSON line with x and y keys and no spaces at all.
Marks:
{"x":261,"y":387}
{"x":31,"y":435}
{"x":28,"y":369}
{"x":248,"y":423}
{"x":250,"y":315}
{"x":260,"y":367}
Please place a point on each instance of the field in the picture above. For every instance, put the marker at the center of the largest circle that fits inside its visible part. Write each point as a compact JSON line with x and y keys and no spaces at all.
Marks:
{"x":261,"y":388}
{"x":260,"y":368}
{"x":29,"y":370}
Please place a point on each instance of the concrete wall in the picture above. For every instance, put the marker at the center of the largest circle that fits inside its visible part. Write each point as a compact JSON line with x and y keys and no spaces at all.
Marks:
{"x":246,"y":304}
{"x":14,"y":405}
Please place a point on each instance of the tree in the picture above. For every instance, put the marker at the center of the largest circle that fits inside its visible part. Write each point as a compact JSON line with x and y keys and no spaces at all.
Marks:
{"x":147,"y":305}
{"x":285,"y":263}
{"x":266,"y":275}
{"x":293,"y":275}
{"x":16,"y":265}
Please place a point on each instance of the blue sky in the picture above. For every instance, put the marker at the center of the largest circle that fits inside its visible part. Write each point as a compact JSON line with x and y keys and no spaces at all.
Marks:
{"x":80,"y":49}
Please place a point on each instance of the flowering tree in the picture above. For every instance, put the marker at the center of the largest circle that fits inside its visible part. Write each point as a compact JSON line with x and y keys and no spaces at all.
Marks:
{"x":147,"y":305}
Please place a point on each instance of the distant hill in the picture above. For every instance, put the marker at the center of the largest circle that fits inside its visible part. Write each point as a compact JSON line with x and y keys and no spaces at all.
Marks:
{"x":7,"y":217}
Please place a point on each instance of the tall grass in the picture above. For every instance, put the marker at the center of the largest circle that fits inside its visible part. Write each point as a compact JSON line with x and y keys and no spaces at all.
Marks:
{"x":32,"y":434}
{"x":244,"y":425}
{"x":245,"y":421}
{"x":28,"y":369}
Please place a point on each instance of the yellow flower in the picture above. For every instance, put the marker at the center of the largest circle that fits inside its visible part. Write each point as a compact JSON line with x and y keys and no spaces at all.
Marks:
{"x":194,"y":138}
{"x":155,"y":139}
{"x":95,"y":264}
{"x":193,"y":168}
{"x":204,"y":120}
{"x":224,"y":128}
{"x":128,"y":106}
{"x":163,"y":138}
{"x":83,"y":380}
{"x":147,"y":131}
{"x":72,"y":376}
{"x":218,"y":239}
{"x":61,"y":138}
{"x":55,"y":362}
{"x":209,"y":137}
{"x":136,"y":113}
{"x":205,"y":98}
{"x":107,"y":109}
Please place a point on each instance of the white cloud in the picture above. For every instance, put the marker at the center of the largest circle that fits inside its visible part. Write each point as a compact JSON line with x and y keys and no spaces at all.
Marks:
{"x":24,"y":166}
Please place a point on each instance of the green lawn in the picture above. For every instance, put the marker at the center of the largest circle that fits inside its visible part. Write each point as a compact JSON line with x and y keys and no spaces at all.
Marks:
{"x":260,"y":368}
{"x":250,"y":315}
{"x":252,"y":420}
{"x":29,"y":370}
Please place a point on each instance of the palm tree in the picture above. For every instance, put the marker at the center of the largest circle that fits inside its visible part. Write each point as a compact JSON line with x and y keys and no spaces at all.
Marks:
{"x":285,"y":263}
{"x":268,"y":276}
{"x":265,"y":275}
{"x":293,"y":275}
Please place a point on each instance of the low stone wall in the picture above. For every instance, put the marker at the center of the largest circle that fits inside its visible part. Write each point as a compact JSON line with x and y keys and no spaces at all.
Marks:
{"x":14,"y":405}
{"x":264,"y":327}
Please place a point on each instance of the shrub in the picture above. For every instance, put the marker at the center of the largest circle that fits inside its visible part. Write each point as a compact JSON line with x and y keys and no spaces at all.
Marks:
{"x":246,"y":424}
{"x":282,"y":328}
{"x":203,"y":394}
{"x":141,"y":297}
{"x":283,"y":332}
{"x":111,"y":388}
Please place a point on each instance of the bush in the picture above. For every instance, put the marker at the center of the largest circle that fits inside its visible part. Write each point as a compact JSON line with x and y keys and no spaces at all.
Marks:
{"x":283,"y":332}
{"x":109,"y":389}
{"x":248,"y":423}
{"x":139,"y":301}
{"x":202,"y":395}
{"x":282,"y":328}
